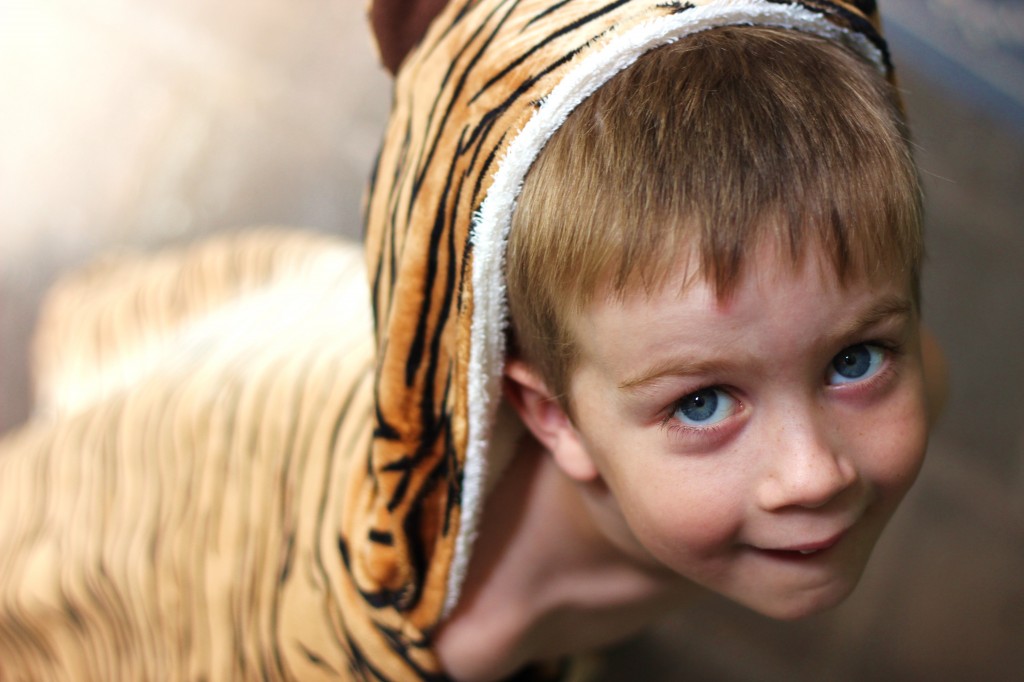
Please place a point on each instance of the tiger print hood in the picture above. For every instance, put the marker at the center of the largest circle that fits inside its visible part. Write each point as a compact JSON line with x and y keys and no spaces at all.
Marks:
{"x":474,"y":103}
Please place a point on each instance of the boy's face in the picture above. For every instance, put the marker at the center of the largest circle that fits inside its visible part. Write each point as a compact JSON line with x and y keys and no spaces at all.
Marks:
{"x":755,"y":445}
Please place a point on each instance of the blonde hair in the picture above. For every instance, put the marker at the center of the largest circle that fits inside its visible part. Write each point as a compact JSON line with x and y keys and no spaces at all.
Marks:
{"x":710,"y":146}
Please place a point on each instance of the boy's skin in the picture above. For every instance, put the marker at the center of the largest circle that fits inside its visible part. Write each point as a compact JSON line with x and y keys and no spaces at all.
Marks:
{"x":622,"y":511}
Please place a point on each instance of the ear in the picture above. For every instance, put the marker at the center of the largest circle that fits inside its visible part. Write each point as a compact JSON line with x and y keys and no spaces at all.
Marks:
{"x":399,"y":24}
{"x":541,"y":412}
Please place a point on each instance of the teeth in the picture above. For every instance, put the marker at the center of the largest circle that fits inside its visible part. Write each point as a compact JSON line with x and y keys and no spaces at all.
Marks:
{"x":807,"y":551}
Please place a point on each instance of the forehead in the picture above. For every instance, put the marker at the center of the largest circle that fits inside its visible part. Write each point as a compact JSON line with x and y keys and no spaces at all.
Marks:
{"x":778,"y":302}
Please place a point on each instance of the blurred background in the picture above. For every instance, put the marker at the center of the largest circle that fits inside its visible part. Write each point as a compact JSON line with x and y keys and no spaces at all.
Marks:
{"x":132,"y":124}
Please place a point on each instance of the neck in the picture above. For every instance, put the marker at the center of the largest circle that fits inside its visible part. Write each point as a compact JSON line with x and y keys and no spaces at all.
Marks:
{"x":544,"y":580}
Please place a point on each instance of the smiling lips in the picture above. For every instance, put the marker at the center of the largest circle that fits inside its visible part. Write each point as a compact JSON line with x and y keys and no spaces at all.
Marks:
{"x":806,"y":549}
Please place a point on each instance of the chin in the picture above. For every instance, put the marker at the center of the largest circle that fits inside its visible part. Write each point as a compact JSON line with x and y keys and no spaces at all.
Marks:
{"x":797,"y":607}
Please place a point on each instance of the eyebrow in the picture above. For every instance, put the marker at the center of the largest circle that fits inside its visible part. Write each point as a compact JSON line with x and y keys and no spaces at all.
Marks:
{"x":890,"y":306}
{"x":887,"y":307}
{"x":673,"y":367}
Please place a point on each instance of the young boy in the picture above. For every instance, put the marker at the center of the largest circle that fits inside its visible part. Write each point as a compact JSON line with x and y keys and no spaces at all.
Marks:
{"x":714,"y":377}
{"x":713,"y":276}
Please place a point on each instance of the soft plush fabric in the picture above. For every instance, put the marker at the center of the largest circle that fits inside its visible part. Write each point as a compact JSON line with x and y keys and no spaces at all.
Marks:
{"x":474,"y":103}
{"x":173,"y":509}
{"x":263,"y":457}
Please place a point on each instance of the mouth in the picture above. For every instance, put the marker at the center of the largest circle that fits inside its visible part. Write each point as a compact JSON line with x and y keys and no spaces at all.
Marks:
{"x":804,"y":551}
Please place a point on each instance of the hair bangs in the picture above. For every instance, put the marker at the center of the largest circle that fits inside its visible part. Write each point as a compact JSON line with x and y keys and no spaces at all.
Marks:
{"x":682,"y":165}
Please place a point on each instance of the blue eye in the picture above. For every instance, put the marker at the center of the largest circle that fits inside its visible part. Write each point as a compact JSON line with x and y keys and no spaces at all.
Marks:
{"x":855,"y":363}
{"x":705,"y":407}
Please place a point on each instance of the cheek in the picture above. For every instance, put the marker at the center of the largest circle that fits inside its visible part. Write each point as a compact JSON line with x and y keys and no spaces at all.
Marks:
{"x":672,"y":517}
{"x":895,"y":444}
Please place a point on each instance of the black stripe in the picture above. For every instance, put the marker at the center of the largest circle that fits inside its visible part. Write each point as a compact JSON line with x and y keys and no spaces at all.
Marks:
{"x":401,"y":645}
{"x":320,"y":563}
{"x":379,"y":599}
{"x":383,"y":429}
{"x":676,"y":6}
{"x":467,"y":253}
{"x":488,"y":162}
{"x":416,"y":349}
{"x":854,"y":21}
{"x":460,"y":15}
{"x":449,"y":285}
{"x":579,"y":23}
{"x":381,"y":537}
{"x":553,"y":8}
{"x":452,"y":473}
{"x":412,"y":528}
{"x":405,"y":465}
{"x":392,"y":234}
{"x":315,"y":659}
{"x":358,"y":663}
{"x":459,"y":87}
{"x":490,"y":118}
{"x":862,"y":25}
{"x":868,"y":7}
{"x":286,"y":563}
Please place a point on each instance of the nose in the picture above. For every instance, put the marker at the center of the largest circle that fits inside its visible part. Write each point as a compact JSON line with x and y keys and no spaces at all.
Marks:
{"x":804,"y":465}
